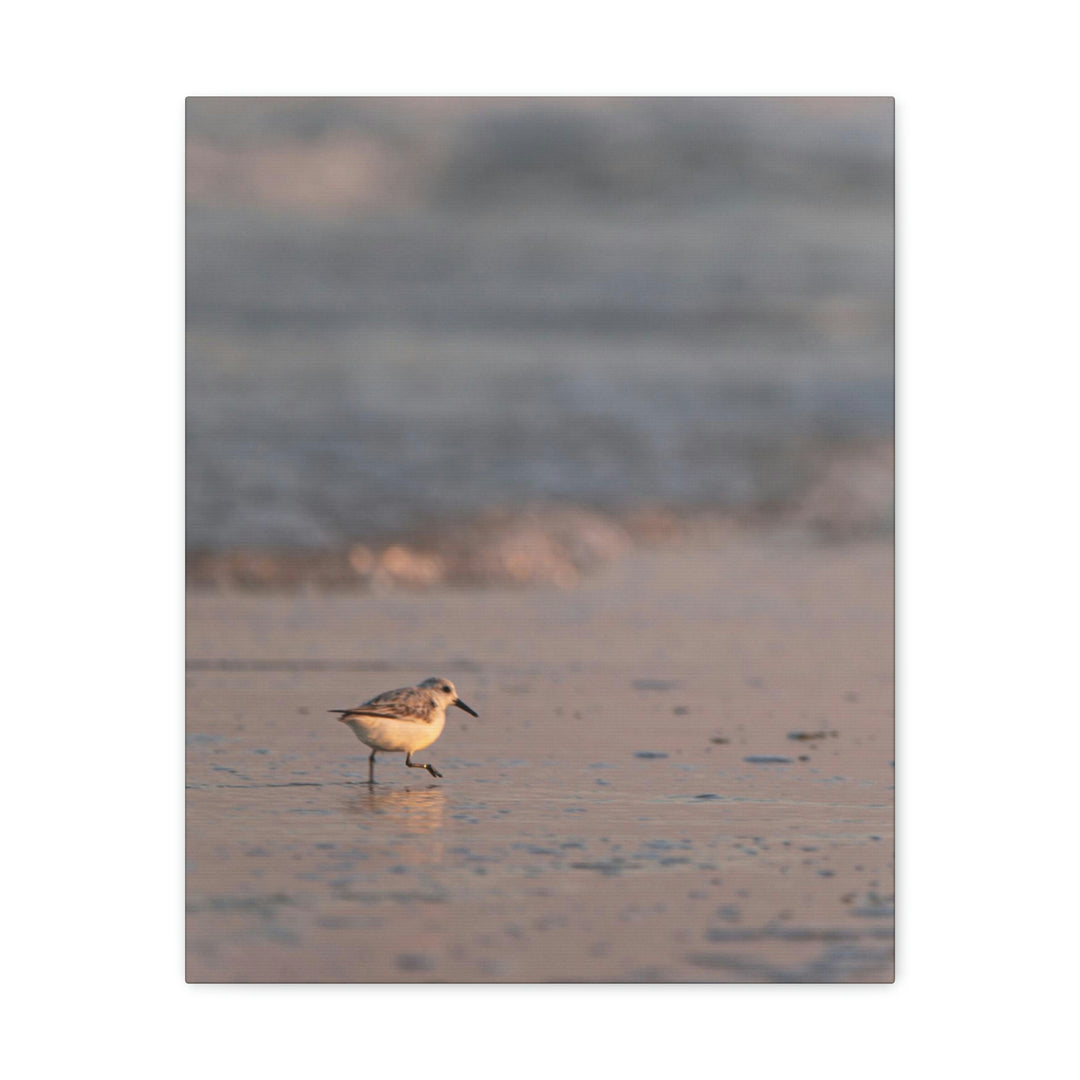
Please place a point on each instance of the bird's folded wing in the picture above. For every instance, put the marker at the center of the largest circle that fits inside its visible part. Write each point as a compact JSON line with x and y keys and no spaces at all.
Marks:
{"x":408,"y":698}
{"x":383,"y":714}
{"x":408,"y":703}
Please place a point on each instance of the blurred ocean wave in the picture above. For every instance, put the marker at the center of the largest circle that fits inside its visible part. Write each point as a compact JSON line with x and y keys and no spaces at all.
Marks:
{"x":403,"y":313}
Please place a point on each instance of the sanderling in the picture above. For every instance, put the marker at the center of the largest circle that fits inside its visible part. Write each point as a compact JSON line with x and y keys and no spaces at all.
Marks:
{"x":403,"y":721}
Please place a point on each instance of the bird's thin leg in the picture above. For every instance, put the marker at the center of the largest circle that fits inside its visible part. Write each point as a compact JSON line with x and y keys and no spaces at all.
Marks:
{"x":371,"y":768}
{"x":418,"y":765}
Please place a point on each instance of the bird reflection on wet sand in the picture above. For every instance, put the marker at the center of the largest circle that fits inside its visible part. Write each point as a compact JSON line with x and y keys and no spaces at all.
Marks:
{"x":409,"y":811}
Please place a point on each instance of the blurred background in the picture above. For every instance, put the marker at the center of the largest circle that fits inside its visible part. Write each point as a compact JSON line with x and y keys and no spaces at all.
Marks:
{"x":411,"y":319}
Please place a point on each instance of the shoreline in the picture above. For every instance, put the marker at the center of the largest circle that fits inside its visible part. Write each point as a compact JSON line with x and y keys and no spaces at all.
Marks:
{"x":849,"y":497}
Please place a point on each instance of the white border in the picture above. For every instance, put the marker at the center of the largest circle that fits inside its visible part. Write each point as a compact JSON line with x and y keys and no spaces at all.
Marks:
{"x":93,"y":445}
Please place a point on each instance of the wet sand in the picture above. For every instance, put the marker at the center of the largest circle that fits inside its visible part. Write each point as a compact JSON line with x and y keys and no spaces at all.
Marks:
{"x":630,"y":805}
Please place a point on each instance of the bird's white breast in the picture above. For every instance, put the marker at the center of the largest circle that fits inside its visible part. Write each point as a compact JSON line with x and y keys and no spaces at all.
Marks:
{"x":397,"y":736}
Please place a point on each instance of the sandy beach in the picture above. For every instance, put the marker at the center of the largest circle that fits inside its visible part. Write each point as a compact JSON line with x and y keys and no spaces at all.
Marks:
{"x":682,"y":771}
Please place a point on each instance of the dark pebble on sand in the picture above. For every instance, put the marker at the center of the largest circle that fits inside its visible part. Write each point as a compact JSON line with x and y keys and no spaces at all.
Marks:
{"x":767,"y":759}
{"x":649,"y":755}
{"x":654,"y":684}
{"x":412,"y":962}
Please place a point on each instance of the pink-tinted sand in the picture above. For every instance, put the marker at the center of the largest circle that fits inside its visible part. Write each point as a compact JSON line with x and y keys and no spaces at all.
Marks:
{"x":600,"y":821}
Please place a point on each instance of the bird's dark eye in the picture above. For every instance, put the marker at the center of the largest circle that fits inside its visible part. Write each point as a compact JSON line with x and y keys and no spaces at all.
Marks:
{"x":446,"y":689}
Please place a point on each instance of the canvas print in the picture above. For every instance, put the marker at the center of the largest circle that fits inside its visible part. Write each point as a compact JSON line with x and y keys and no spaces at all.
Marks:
{"x":539,"y":540}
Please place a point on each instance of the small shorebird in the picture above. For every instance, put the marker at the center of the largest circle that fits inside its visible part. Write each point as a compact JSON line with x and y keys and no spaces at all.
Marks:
{"x":403,"y":721}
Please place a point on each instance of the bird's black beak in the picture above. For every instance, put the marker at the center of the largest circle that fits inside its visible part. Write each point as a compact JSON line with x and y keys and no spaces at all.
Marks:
{"x":461,"y":705}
